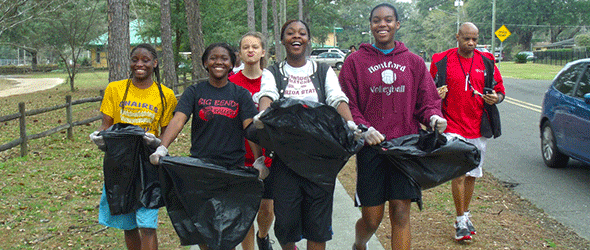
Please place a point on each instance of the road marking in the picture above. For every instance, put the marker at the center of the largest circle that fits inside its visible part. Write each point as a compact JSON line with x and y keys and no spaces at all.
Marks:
{"x":522,"y":104}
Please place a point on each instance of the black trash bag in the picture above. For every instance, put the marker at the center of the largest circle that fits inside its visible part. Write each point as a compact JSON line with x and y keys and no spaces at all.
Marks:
{"x":209,"y":204}
{"x":131,"y":181}
{"x":311,"y":138}
{"x":430,"y":159}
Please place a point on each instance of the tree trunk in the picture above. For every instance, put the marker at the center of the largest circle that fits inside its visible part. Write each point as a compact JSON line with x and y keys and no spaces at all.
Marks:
{"x":118,"y":43}
{"x":264,"y":25}
{"x":300,"y":9}
{"x":33,"y":59}
{"x":277,"y":31}
{"x":167,"y":63}
{"x":195,"y":33}
{"x":524,"y":39}
{"x":251,"y":16}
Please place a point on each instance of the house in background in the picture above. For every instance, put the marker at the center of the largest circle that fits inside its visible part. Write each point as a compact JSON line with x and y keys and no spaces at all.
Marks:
{"x":330,"y":42}
{"x":98,"y":46}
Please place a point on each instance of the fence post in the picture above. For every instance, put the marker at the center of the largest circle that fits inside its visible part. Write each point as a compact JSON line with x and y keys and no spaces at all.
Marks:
{"x":24,"y":150}
{"x":69,"y":117}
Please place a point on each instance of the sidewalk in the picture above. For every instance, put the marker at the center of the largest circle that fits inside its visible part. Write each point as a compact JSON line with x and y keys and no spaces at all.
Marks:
{"x":344,"y":218}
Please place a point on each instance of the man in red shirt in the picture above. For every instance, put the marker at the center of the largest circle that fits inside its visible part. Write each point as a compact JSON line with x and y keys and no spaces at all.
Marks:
{"x":470,"y":85}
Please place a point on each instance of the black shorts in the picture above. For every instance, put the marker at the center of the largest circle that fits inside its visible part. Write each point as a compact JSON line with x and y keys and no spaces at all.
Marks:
{"x":302,"y":208}
{"x":378,"y":180}
{"x":267,"y":193}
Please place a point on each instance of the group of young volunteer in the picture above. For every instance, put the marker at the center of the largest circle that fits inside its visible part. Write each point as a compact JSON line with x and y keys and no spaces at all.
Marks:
{"x":382,"y":86}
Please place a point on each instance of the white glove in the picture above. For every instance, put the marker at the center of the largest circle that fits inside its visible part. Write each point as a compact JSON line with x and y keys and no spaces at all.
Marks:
{"x":151,"y":140}
{"x":372,"y":136}
{"x":160,"y":152}
{"x":261,"y":167}
{"x":438,"y":123}
{"x":354,"y":127}
{"x":98,"y":140}
{"x":257,"y":122}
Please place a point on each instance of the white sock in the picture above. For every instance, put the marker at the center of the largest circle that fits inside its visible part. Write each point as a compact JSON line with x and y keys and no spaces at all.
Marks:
{"x":461,"y":218}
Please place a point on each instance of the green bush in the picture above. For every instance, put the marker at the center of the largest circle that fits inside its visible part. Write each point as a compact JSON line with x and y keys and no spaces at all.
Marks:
{"x":520,"y":58}
{"x":85,"y":61}
{"x":582,"y":40}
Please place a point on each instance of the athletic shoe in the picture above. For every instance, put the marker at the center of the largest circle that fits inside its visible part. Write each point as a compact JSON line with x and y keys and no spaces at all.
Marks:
{"x":461,"y":231}
{"x":263,"y":243}
{"x":469,"y":224}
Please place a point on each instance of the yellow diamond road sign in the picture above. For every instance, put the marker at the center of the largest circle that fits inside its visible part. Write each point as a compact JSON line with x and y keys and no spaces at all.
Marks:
{"x":502,"y":33}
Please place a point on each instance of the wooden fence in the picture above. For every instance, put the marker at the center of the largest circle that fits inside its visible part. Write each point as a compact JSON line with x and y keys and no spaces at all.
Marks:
{"x":23,"y":113}
{"x":70,"y":124}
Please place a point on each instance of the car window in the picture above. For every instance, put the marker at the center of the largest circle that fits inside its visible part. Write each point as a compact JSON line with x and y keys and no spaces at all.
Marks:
{"x":566,"y":81}
{"x":584,"y":85}
{"x":318,"y":51}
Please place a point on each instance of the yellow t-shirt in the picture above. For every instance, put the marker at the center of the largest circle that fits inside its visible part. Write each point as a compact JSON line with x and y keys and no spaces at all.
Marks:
{"x":143,"y":107}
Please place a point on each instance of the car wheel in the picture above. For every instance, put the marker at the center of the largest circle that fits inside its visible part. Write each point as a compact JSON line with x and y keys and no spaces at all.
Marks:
{"x":551,"y":155}
{"x":339,"y":66}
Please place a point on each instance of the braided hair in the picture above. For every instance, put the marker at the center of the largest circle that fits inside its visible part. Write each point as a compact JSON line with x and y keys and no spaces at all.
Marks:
{"x":152,"y":50}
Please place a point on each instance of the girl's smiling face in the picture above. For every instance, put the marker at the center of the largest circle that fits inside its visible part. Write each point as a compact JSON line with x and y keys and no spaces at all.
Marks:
{"x":142,"y":64}
{"x":383,"y":26}
{"x":251,"y":50}
{"x":295,"y":38}
{"x":218,"y":63}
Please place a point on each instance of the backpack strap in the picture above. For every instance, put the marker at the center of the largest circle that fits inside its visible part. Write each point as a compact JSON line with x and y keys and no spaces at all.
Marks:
{"x":490,"y":82}
{"x":441,"y":75}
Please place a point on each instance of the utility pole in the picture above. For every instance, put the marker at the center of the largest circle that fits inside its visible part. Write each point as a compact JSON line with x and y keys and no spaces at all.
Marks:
{"x":493,"y":27}
{"x":458,"y":4}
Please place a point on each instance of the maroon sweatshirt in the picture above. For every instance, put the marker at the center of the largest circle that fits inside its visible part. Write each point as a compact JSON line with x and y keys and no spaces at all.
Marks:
{"x":393,"y":93}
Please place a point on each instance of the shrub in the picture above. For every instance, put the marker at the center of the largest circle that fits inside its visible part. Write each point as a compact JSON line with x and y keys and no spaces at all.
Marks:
{"x":582,"y":40}
{"x":520,"y":58}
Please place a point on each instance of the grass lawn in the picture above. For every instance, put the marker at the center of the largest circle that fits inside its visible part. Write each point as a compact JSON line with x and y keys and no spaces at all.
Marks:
{"x":529,"y":70}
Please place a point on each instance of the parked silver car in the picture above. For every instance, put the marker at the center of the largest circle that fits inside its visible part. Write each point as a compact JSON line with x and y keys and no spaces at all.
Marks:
{"x":316,"y":52}
{"x":333,"y":59}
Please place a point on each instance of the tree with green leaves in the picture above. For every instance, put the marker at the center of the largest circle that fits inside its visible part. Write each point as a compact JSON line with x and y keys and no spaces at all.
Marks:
{"x":70,"y":29}
{"x":16,"y":12}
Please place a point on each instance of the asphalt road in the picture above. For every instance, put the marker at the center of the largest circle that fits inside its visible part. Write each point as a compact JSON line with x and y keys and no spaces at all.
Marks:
{"x":515,"y":158}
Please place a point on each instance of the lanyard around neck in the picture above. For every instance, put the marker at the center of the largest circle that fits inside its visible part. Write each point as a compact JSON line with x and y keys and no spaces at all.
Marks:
{"x":467,"y":80}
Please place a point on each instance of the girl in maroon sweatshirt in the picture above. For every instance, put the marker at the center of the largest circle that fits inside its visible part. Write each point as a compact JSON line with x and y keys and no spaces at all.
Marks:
{"x":391,"y":92}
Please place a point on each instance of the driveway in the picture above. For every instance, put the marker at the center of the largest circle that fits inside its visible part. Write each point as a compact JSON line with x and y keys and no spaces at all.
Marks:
{"x":28,"y":85}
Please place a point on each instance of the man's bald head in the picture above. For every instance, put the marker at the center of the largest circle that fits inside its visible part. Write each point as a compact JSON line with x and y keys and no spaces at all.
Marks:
{"x":467,"y":38}
{"x":468,"y":27}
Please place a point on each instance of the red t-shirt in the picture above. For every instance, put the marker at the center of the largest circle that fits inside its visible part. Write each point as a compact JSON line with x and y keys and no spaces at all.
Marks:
{"x":252,"y":85}
{"x":463,"y":109}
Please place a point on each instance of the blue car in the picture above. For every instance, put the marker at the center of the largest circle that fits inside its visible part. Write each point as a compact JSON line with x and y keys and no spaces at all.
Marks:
{"x":565,"y":119}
